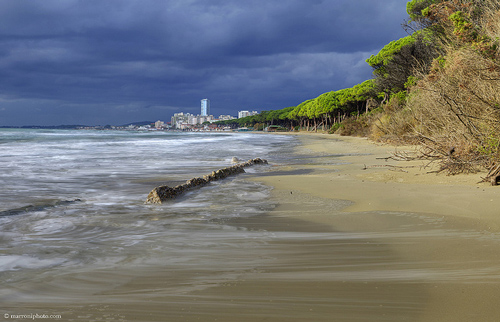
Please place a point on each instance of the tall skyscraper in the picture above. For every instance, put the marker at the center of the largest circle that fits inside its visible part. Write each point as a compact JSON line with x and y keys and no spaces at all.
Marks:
{"x":205,"y":107}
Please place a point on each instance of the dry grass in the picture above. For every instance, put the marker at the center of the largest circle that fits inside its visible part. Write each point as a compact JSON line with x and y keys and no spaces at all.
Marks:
{"x":355,"y":126}
{"x":458,"y":107}
{"x":454,"y":111}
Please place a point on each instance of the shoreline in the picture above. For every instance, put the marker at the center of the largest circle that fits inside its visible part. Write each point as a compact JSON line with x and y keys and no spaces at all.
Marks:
{"x":335,"y":243}
{"x":437,"y":235}
{"x":369,"y":182}
{"x":342,"y":248}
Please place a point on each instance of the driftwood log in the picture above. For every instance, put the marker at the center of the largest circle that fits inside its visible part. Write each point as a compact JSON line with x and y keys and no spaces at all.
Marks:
{"x":493,"y":175}
{"x":160,"y":194}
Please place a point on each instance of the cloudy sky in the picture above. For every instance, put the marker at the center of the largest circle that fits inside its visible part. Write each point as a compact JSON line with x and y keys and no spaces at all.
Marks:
{"x":119,"y":61}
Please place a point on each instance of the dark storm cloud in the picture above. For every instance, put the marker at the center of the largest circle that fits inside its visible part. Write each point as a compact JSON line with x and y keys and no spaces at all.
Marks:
{"x":100,"y":62}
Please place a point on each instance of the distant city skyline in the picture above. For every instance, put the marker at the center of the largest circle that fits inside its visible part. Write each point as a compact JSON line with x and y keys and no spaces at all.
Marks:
{"x":117,"y":62}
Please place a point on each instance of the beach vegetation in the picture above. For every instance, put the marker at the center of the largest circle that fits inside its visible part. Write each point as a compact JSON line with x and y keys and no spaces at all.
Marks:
{"x":418,"y":10}
{"x":437,"y":87}
{"x":454,"y":104}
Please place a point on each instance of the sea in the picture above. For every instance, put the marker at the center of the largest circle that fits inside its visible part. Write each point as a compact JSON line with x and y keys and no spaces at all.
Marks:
{"x":73,"y":218}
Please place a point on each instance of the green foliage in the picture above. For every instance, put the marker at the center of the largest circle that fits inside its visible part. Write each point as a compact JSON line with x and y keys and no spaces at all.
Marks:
{"x":334,"y":103}
{"x":376,"y":111}
{"x":402,"y":59}
{"x":283,"y":115}
{"x":441,"y":61}
{"x":425,"y":12}
{"x":328,"y":106}
{"x":398,"y":98}
{"x":467,"y":32}
{"x":387,"y":53}
{"x":334,"y":128}
{"x":461,"y":23}
{"x":343,"y":101}
{"x":413,"y":9}
{"x":412,"y":81}
{"x":258,"y":126}
{"x":419,"y":9}
{"x":396,"y":67}
{"x":491,"y":145}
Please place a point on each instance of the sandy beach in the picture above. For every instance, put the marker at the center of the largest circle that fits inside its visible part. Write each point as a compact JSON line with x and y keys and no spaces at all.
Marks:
{"x":373,"y":183}
{"x":376,"y":243}
{"x":352,"y":237}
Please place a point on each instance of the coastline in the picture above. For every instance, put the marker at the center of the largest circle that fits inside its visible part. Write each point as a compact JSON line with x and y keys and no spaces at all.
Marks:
{"x":335,"y":243}
{"x":372,"y":183}
{"x":347,"y":244}
{"x":450,"y":265}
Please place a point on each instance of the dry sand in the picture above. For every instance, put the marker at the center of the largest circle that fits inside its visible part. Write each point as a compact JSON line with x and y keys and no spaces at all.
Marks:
{"x":440,"y":232}
{"x":373,"y":184}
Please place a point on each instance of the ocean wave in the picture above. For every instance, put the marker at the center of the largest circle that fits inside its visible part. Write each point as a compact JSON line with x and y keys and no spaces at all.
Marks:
{"x":35,"y":208}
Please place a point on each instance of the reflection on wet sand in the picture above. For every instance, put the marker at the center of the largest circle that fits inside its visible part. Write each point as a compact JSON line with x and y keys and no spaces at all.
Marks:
{"x":306,"y":271}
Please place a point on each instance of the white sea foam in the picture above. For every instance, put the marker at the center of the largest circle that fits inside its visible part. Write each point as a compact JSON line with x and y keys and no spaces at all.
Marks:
{"x":108,"y":176}
{"x":16,"y":262}
{"x":52,"y":225}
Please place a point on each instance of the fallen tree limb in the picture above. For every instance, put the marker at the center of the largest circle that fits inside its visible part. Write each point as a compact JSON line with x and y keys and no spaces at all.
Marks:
{"x":160,"y":194}
{"x":391,"y":167}
{"x":493,"y":175}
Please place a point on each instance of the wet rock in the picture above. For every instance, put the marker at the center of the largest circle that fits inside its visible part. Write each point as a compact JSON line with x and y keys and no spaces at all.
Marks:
{"x":195,"y":182}
{"x":160,"y":194}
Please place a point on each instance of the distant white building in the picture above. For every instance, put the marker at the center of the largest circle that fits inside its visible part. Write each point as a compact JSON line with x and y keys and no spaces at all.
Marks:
{"x":183,"y":126}
{"x":246,"y":113}
{"x":226,"y":117}
{"x":200,"y":119}
{"x":159,"y":124}
{"x":205,"y":118}
{"x":180,"y":118}
{"x":205,"y":107}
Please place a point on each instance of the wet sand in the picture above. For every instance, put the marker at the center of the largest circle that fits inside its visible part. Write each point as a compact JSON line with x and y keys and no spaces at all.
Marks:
{"x":343,"y":244}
